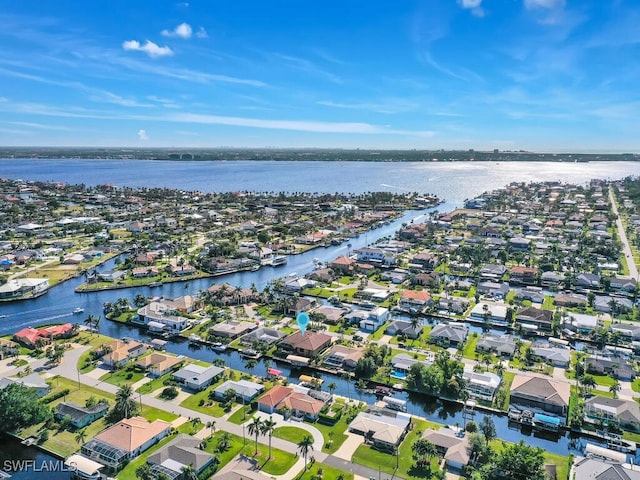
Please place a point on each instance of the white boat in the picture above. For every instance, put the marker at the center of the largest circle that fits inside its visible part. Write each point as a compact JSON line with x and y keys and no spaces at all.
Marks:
{"x":78,"y":310}
{"x":279,"y":260}
{"x":219,"y":347}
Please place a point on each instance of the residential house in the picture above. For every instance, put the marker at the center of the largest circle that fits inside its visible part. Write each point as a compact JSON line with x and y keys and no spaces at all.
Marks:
{"x":482,"y":385}
{"x":245,"y":391}
{"x":595,"y":468}
{"x":308,"y":345}
{"x":493,"y":313}
{"x":329,"y":314}
{"x":33,"y":380}
{"x":492,"y":271}
{"x":523,"y":275}
{"x":375,"y":255}
{"x":536,"y":317}
{"x":196,"y":377}
{"x":30,"y":336}
{"x":415,"y":300}
{"x":301,"y":405}
{"x":343,"y":265}
{"x":587,"y":280}
{"x":160,"y":316}
{"x":300,"y":305}
{"x":617,"y":368}
{"x":340,"y":356}
{"x":158,"y":364}
{"x":81,"y":416}
{"x":570,"y":300}
{"x":122,"y":351}
{"x":607,"y":304}
{"x":502,"y":346}
{"x":270,"y":400}
{"x":454,"y":449}
{"x":425,"y":260}
{"x":540,"y":392}
{"x":385,"y":432}
{"x":613,"y":411}
{"x":125,"y":440}
{"x":519,"y":244}
{"x":623,"y":284}
{"x":582,"y":323}
{"x":403,"y":327}
{"x":232,"y":329}
{"x":493,"y":289}
{"x":456,"y":305}
{"x":402,"y":363}
{"x":533,"y":294}
{"x":262,"y":335}
{"x":181,"y":452}
{"x":449,"y":334}
{"x":375,"y":318}
{"x":551,"y":279}
{"x":556,"y":356}
{"x":627,"y":331}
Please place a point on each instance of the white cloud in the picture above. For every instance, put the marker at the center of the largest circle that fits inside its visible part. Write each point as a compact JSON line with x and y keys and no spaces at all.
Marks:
{"x":530,"y":4}
{"x":202,"y":33}
{"x":474,"y":5}
{"x":150,"y":48}
{"x":183,"y":31}
{"x":142,"y":135}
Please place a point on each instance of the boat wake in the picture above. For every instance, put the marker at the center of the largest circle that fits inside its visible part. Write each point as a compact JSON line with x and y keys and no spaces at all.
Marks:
{"x":394,"y":186}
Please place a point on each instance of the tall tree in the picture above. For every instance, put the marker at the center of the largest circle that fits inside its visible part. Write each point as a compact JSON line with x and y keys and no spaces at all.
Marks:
{"x":517,"y":461}
{"x":268,"y":426}
{"x":488,"y":428}
{"x":81,"y":435}
{"x":255,"y":428}
{"x":20,"y":407}
{"x":304,"y":447}
{"x":125,"y":406}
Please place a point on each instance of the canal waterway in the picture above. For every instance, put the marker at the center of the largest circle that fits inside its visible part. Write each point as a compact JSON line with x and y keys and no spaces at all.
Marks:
{"x":452,"y":182}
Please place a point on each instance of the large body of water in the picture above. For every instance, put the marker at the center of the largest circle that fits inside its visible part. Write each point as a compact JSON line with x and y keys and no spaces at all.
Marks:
{"x":451,"y":181}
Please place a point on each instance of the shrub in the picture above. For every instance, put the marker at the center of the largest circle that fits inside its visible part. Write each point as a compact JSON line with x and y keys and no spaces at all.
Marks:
{"x":169,"y":393}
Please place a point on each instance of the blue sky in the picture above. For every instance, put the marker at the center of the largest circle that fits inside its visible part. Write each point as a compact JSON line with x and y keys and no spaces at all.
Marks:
{"x":544,"y":75}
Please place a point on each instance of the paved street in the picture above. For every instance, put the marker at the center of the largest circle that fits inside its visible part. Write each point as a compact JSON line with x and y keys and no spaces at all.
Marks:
{"x":633,"y":269}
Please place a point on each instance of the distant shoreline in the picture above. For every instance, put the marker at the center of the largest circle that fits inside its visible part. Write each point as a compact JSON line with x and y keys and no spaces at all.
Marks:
{"x":307,"y":155}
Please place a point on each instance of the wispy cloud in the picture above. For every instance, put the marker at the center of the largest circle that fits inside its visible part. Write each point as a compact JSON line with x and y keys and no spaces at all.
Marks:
{"x":461,"y":73}
{"x":202,"y":33}
{"x":42,"y":126}
{"x":182,"y":31}
{"x":474,"y":5}
{"x":181,"y":73}
{"x":306,"y":66}
{"x":391,"y":107}
{"x":150,"y":48}
{"x":142,"y":135}
{"x":531,"y":4}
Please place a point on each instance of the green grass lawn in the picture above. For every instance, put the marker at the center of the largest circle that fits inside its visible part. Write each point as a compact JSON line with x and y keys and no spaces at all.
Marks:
{"x":377,"y":335}
{"x":328,"y":473}
{"x":331,"y":445}
{"x":209,"y":407}
{"x":129,"y":472}
{"x":64,"y":443}
{"x":279,"y":464}
{"x":126,"y":375}
{"x":190,"y":428}
{"x":241,"y":415}
{"x":291,"y":434}
{"x":154,"y":384}
{"x":386,"y":462}
{"x":470,"y":347}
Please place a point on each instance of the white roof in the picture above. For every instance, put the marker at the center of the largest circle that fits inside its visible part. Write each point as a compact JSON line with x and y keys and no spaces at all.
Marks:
{"x":83,"y":464}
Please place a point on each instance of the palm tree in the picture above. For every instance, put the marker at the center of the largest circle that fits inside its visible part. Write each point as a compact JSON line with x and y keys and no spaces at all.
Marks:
{"x":188,"y":472}
{"x":346,"y":377}
{"x":615,"y":388}
{"x":255,"y":428}
{"x":331,"y":387}
{"x":304,"y":447}
{"x":250,"y":364}
{"x":212,"y":426}
{"x":81,"y":435}
{"x":268,"y":426}
{"x":589,"y":383}
{"x":223,"y":442}
{"x":125,"y":406}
